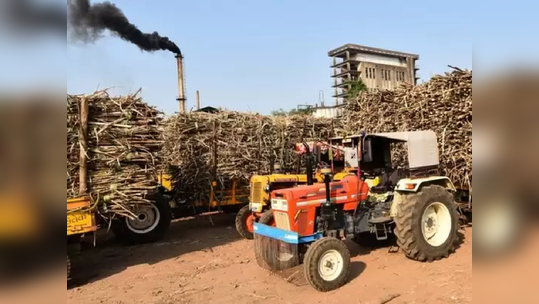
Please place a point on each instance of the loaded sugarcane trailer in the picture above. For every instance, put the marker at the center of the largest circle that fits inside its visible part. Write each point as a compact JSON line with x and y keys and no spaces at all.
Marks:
{"x":139,"y":218}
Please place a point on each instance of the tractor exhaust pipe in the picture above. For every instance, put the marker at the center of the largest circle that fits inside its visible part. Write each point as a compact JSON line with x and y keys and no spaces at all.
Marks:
{"x":309,"y":165}
{"x":327,"y":180}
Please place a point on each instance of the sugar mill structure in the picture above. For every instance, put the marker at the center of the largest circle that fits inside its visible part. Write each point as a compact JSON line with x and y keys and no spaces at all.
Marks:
{"x":377,"y":68}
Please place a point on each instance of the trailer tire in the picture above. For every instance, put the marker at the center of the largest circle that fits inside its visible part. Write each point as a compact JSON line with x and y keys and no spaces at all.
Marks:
{"x":431,"y":210}
{"x":244,"y":222}
{"x":68,"y":268}
{"x":327,"y":264}
{"x":158,"y":215}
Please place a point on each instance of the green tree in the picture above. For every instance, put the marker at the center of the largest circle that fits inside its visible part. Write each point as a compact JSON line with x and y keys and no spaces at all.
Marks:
{"x":356,"y":88}
{"x":304,"y":111}
{"x":281,"y":112}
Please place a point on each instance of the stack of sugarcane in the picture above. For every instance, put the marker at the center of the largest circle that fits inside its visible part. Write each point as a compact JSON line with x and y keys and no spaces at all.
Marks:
{"x":73,"y":146}
{"x":123,"y":140}
{"x":226,"y":146}
{"x":443,"y":104}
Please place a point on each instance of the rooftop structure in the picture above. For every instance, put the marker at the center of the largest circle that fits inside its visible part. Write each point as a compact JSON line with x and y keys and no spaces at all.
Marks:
{"x":377,"y":68}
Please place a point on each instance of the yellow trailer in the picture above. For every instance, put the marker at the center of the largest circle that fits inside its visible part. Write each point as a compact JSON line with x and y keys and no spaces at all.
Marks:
{"x":80,"y":222}
{"x":231,"y":198}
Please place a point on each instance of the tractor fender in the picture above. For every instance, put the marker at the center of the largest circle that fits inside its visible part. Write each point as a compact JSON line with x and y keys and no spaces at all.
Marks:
{"x":413,"y":185}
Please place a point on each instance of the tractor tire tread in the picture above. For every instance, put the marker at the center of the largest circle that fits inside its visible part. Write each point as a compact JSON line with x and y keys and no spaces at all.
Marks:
{"x":408,"y":224}
{"x":266,"y":218}
{"x":315,"y":252}
{"x":240,"y":222}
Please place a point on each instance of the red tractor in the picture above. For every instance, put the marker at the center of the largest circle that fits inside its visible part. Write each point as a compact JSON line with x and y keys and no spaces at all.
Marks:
{"x":415,"y":206}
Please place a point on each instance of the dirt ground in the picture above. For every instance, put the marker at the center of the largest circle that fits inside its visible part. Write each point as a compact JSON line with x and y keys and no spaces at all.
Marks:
{"x":204,"y":262}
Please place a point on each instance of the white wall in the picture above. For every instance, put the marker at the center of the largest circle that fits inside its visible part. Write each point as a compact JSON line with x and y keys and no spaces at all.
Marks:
{"x":380,"y":59}
{"x":328,"y":112}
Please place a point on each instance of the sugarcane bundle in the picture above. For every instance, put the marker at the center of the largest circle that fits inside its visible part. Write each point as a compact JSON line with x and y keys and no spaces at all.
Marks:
{"x":122,"y":144}
{"x":225,"y":146}
{"x":443,"y":104}
{"x":73,"y":147}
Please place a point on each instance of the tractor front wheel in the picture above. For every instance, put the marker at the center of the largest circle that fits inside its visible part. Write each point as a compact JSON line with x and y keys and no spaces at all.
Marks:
{"x":267,"y":218}
{"x":244,"y":222}
{"x":327,"y":264}
{"x":427,"y":224}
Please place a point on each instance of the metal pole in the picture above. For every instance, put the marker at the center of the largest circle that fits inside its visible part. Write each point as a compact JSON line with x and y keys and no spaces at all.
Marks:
{"x":83,"y":135}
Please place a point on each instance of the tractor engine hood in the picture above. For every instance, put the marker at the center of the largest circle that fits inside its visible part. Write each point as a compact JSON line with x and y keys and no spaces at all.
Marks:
{"x":295,"y":208}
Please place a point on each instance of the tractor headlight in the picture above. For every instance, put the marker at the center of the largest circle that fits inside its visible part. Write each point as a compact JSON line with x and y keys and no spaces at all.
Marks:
{"x":267,"y":188}
{"x":279,"y":204}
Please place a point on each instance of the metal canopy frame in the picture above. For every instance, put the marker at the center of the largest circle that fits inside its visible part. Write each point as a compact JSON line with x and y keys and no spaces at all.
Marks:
{"x":422,"y":146}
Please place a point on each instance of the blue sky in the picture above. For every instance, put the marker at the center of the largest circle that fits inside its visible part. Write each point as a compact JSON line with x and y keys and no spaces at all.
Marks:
{"x":262,"y":55}
{"x":269,"y":54}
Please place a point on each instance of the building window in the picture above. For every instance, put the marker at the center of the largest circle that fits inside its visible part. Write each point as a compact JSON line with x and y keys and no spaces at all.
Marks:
{"x":400,"y":76}
{"x":370,"y":73}
{"x":386,"y":75}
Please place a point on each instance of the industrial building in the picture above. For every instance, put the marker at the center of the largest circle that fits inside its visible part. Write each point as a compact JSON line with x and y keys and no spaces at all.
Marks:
{"x":377,"y":68}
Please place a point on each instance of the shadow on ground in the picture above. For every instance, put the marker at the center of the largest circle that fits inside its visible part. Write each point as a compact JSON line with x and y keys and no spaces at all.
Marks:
{"x":369,"y":245}
{"x":356,"y":269}
{"x":110,"y":257}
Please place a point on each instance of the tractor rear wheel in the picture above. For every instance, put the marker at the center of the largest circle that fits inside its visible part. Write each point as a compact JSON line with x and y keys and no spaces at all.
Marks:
{"x":427,"y":224}
{"x":327,"y":264}
{"x":244,"y":222}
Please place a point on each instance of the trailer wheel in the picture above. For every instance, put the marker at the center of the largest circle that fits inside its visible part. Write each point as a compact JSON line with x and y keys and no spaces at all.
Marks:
{"x":327,"y":264}
{"x":427,"y":224}
{"x":244,"y":222}
{"x":68,"y":268}
{"x":152,"y":223}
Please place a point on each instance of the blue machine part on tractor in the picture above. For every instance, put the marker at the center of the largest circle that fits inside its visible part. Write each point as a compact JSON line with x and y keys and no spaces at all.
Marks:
{"x":283,"y":235}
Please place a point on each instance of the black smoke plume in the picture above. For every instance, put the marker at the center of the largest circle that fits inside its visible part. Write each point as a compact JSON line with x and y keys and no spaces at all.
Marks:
{"x":31,"y":16}
{"x":89,"y":21}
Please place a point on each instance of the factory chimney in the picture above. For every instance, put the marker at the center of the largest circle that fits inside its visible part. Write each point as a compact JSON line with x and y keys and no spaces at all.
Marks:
{"x":181,"y":90}
{"x":198,"y":100}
